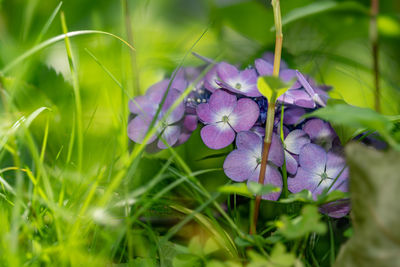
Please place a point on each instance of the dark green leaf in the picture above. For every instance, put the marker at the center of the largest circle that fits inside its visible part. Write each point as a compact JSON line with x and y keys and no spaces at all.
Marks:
{"x":374,"y":191}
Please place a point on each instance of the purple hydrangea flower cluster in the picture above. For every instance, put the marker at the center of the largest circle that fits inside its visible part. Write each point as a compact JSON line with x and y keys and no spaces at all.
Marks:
{"x":227,"y":102}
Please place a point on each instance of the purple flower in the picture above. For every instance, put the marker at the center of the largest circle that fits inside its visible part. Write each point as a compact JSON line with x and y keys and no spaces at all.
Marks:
{"x":319,"y":97}
{"x":304,"y":95}
{"x":244,"y":162}
{"x":224,"y":115}
{"x":320,"y":132}
{"x":240,"y":82}
{"x":293,"y":115}
{"x":211,"y":78}
{"x":146,"y":107}
{"x":319,"y":170}
{"x":336,"y":209}
{"x":293,"y":144}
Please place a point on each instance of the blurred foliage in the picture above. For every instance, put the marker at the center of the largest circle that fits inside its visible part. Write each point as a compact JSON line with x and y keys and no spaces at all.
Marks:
{"x":374,"y":188}
{"x":117,"y":209}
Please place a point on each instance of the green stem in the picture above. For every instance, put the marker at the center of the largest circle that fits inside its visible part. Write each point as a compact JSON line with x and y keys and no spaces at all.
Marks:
{"x":270,"y":112}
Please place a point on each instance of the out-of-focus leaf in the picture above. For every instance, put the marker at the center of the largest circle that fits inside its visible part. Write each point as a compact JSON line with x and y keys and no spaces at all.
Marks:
{"x":307,"y":222}
{"x":220,"y":235}
{"x":355,"y":118}
{"x":272,"y":87}
{"x":237,"y":188}
{"x":259,"y":189}
{"x":278,"y":257}
{"x":184,"y":260}
{"x":374,"y":190}
{"x":249,"y":18}
{"x":302,"y":196}
{"x":320,"y":7}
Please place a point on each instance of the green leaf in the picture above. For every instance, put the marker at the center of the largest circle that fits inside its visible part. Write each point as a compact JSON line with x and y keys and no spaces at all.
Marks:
{"x":237,"y":188}
{"x":326,"y":197}
{"x":375,"y":187}
{"x":278,"y":257}
{"x":355,"y":119}
{"x":308,"y":222}
{"x":259,"y":189}
{"x":185,"y":260}
{"x":272,"y":87}
{"x":302,"y":196}
{"x":320,"y":7}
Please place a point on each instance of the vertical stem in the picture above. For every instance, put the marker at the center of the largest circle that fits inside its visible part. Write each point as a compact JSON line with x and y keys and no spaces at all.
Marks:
{"x":270,"y":112}
{"x":129,"y":36}
{"x":373,"y":35}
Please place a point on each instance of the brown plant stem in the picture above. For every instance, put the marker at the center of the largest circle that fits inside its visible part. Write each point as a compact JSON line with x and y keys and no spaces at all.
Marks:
{"x":270,"y":112}
{"x":373,"y":33}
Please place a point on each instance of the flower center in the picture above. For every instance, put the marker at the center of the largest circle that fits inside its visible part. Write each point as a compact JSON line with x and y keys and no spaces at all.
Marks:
{"x":324,"y":176}
{"x":225,"y":119}
{"x":164,"y":124}
{"x":238,"y":86}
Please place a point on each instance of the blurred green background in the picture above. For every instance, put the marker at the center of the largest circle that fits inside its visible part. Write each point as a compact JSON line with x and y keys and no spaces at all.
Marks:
{"x":330,"y":44}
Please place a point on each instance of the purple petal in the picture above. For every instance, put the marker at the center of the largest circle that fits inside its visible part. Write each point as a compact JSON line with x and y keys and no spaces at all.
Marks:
{"x":288,"y":75}
{"x":263,"y":67}
{"x":190,"y":122}
{"x":245,"y":115}
{"x":313,"y":158}
{"x":227,"y":71}
{"x":137,"y":129}
{"x":240,"y":165}
{"x":260,"y":131}
{"x":303,"y":180}
{"x":210,"y":79}
{"x":205,"y":114}
{"x":297,"y":97}
{"x":178,"y":112}
{"x":272,"y":176}
{"x":222,"y":103}
{"x":142,"y":105}
{"x":293,"y":115}
{"x":179,"y":83}
{"x":295,"y":141}
{"x":320,"y":132}
{"x":249,"y":141}
{"x":170,"y":135}
{"x":305,"y":84}
{"x":156,"y":92}
{"x":276,"y":153}
{"x":291,"y":163}
{"x":336,"y":209}
{"x":335,"y":166}
{"x":217,"y":136}
{"x":185,"y":135}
